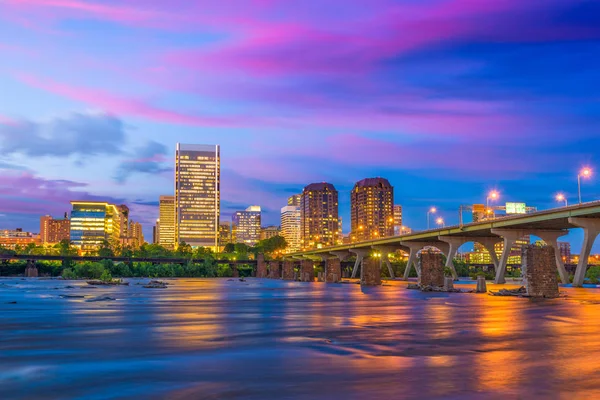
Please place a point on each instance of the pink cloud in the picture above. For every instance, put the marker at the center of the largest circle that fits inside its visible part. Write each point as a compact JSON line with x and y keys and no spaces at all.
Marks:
{"x":122,"y":105}
{"x":23,"y":192}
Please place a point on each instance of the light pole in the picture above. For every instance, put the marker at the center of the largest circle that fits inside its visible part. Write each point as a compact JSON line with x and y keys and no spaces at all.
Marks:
{"x":586,"y":173}
{"x":432,"y":210}
{"x":493,"y":195}
{"x":440,"y":221}
{"x":562,"y":197}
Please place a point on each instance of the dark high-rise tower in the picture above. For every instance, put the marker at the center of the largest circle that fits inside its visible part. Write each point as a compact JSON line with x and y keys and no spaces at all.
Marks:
{"x":372,"y":209}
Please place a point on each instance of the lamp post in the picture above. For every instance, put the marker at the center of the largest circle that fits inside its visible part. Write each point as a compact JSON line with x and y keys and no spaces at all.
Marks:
{"x":493,"y":195}
{"x":432,"y":210}
{"x":562,"y":197}
{"x":440,"y":221}
{"x":585,"y":173}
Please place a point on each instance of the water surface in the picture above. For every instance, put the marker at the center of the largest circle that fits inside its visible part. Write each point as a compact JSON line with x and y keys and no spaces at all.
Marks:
{"x":266,"y":339}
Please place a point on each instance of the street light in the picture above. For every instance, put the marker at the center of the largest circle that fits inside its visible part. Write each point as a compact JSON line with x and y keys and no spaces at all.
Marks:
{"x":440,"y":221}
{"x":585,"y":173}
{"x":432,"y":210}
{"x":562,"y":197}
{"x":493,"y":195}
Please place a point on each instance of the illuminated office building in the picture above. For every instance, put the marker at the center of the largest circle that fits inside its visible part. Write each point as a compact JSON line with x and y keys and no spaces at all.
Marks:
{"x":247,"y":224}
{"x":372,"y":209}
{"x":295,"y":200}
{"x":94,"y":222}
{"x":227,"y":234}
{"x":291,"y":226}
{"x":480,"y":255}
{"x":166,"y":228}
{"x":136,"y":234}
{"x":197,"y":195}
{"x":320,"y":223}
{"x":53,"y":231}
{"x":398,"y":228}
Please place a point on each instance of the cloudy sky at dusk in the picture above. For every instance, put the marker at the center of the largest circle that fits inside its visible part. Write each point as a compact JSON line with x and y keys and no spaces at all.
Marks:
{"x":447,"y":99}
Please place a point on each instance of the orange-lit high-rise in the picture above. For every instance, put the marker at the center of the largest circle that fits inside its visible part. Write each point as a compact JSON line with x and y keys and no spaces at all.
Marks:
{"x":372,"y":209}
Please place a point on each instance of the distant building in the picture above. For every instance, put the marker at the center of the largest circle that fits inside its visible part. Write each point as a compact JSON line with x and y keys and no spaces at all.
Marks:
{"x":372,"y":209}
{"x":197,"y":195}
{"x":398,"y":220}
{"x":320,"y":223}
{"x":227,"y":234}
{"x":93,"y":222}
{"x":269,"y":232}
{"x":166,"y":228}
{"x":291,"y":226}
{"x":53,"y":231}
{"x":156,"y":232}
{"x":565,"y":251}
{"x":480,"y":255}
{"x":247,"y":225}
{"x":136,"y":234}
{"x":295,"y":200}
{"x":10,"y":239}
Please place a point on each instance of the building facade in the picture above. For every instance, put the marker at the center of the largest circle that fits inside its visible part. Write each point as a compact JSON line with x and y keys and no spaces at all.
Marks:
{"x":372,"y":209}
{"x":295,"y":200}
{"x":93,"y":223}
{"x":480,"y":255}
{"x":268,"y":232}
{"x":227,"y":234}
{"x":166,"y":225}
{"x":53,"y":231}
{"x":398,"y":221}
{"x":291,"y":227}
{"x":197,"y":194}
{"x":11,"y":239}
{"x":319,"y":216}
{"x":136,"y":234}
{"x":247,"y":225}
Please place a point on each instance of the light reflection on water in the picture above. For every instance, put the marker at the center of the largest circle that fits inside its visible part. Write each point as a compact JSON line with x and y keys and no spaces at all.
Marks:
{"x":271,"y":339}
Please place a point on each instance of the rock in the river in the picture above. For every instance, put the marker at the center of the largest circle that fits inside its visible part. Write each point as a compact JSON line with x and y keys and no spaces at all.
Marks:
{"x":101,"y":298}
{"x":11,"y":302}
{"x":510,"y":292}
{"x":109,"y":283}
{"x":71,"y":296}
{"x":156,"y":285}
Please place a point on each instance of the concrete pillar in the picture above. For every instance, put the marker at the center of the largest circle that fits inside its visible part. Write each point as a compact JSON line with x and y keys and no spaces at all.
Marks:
{"x":591,"y":229}
{"x":510,"y":236}
{"x":448,"y":283}
{"x":414,"y":248}
{"x":31,"y":271}
{"x":481,"y":285}
{"x":234,"y":270}
{"x":288,"y":270}
{"x":333,"y":270}
{"x":490,"y":245}
{"x":454,"y":243}
{"x":261,"y":266}
{"x":371,"y":272}
{"x":432,"y":269}
{"x":307,"y":271}
{"x":539,"y":274}
{"x":551,"y":239}
{"x":274,"y":270}
{"x":360,"y":255}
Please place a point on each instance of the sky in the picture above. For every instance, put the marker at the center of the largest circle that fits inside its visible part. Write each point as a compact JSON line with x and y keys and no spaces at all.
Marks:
{"x":446,"y":99}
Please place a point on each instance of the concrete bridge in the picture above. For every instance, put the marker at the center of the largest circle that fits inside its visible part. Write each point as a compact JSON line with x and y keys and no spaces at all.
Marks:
{"x":548,"y":225}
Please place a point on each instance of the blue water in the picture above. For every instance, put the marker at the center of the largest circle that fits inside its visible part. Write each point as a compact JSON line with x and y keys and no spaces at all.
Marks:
{"x":265,"y":339}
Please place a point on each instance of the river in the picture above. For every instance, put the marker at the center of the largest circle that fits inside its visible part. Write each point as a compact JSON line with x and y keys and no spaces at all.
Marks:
{"x":267,"y":339}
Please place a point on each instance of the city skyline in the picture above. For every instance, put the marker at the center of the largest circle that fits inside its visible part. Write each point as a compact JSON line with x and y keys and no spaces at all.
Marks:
{"x":493,"y":97}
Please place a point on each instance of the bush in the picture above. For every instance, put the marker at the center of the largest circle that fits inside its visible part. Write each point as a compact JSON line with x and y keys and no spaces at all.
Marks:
{"x":106,"y":276}
{"x":68,"y":274}
{"x":593,"y":275}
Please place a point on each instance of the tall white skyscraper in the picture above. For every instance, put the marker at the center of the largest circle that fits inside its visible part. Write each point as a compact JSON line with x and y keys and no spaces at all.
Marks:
{"x":197,"y":194}
{"x":291,"y":224}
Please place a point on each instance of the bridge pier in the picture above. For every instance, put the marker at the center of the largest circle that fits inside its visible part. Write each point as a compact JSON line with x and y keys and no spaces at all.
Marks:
{"x":274,"y":270}
{"x":454,"y":243}
{"x":591,"y":230}
{"x":288,"y":270}
{"x":31,"y":271}
{"x":415,"y":247}
{"x":370,"y":272}
{"x":360,"y":256}
{"x":510,"y":236}
{"x":307,"y":271}
{"x":261,"y":266}
{"x":490,"y":245}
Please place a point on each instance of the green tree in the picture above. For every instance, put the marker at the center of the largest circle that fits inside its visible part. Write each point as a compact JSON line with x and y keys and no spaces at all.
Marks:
{"x":229,"y":248}
{"x":105,"y":250}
